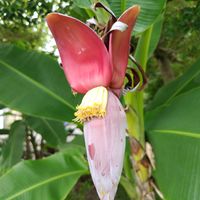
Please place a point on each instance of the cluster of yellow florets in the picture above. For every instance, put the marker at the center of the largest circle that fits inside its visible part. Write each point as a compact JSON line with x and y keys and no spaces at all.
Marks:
{"x":93,"y":104}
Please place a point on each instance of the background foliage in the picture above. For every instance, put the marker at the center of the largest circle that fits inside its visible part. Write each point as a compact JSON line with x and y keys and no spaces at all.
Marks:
{"x":32,"y":83}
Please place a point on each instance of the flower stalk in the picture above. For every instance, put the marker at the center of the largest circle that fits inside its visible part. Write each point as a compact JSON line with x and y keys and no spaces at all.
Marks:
{"x":135,"y":120}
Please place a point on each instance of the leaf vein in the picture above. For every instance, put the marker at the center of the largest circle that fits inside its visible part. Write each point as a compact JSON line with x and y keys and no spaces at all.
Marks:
{"x":40,"y":86}
{"x":175,"y":132}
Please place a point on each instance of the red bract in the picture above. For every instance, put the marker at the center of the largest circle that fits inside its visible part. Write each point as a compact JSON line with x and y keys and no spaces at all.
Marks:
{"x":119,"y":47}
{"x":87,"y":63}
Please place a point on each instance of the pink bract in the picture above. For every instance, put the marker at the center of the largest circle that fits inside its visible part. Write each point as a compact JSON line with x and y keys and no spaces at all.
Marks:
{"x":86,"y":61}
{"x":84,"y":57}
{"x":105,"y":144}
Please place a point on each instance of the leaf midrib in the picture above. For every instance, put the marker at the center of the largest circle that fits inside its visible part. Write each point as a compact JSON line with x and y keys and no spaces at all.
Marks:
{"x":45,"y":182}
{"x":38,"y":85}
{"x":175,"y":132}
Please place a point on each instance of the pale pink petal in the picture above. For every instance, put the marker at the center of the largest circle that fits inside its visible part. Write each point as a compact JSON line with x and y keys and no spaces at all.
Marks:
{"x":84,"y":57}
{"x":119,"y":46}
{"x":105,"y":144}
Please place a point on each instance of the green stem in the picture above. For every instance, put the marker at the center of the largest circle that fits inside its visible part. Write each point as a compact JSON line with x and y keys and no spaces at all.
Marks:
{"x":135,"y":119}
{"x":135,"y":114}
{"x":142,"y":55}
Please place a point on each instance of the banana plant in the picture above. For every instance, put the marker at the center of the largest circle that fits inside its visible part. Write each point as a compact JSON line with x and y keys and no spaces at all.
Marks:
{"x":160,"y":160}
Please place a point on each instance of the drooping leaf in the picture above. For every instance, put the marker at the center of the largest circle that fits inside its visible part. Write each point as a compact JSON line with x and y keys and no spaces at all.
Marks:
{"x":50,"y":178}
{"x":150,"y":10}
{"x":13,"y":149}
{"x":174,"y":132}
{"x":52,"y":131}
{"x":35,"y":84}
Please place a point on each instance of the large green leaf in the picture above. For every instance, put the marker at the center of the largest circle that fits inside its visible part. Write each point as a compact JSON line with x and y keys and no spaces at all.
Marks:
{"x":177,"y":164}
{"x":34,"y":84}
{"x":174,"y":132}
{"x":50,"y":178}
{"x":13,"y":149}
{"x":182,"y":113}
{"x":190,"y":79}
{"x":150,"y":10}
{"x":52,"y":131}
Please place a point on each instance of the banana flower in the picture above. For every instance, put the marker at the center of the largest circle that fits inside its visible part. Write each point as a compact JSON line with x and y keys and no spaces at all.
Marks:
{"x":98,"y":72}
